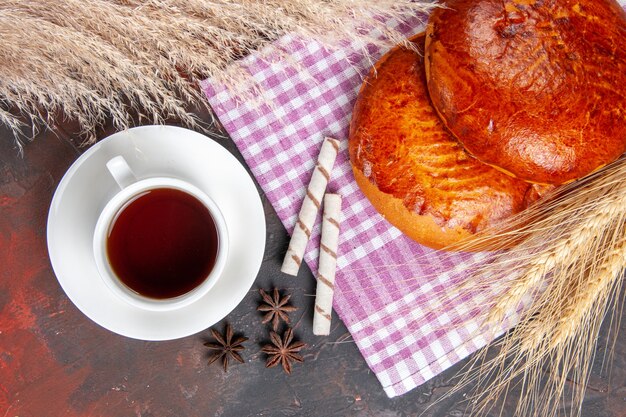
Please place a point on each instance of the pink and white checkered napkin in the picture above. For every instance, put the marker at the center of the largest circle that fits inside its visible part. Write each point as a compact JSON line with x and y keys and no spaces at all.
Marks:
{"x":386,"y":299}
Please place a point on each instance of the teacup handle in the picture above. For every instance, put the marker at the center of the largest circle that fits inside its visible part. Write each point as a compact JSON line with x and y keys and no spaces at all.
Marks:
{"x":121,"y":172}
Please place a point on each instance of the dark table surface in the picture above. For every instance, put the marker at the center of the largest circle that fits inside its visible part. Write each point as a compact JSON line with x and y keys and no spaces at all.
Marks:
{"x":54,"y":361}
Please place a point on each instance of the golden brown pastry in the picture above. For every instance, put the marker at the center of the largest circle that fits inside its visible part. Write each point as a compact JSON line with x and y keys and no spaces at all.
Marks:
{"x":536,"y":88}
{"x":414,"y":173}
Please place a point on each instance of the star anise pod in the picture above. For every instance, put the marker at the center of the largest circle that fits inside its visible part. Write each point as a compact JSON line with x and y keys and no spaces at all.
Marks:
{"x":226,"y":348}
{"x":283,"y":351}
{"x":275,"y":308}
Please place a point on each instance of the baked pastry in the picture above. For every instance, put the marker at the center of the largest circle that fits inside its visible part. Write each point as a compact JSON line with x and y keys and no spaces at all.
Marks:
{"x":413,"y":172}
{"x":536,"y":88}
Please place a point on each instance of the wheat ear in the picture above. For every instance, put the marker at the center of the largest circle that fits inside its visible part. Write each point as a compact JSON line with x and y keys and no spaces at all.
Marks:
{"x":578,"y":308}
{"x":557,"y":254}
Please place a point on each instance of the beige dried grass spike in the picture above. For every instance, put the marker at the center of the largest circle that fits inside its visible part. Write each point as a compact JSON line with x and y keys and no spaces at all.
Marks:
{"x":126,"y":60}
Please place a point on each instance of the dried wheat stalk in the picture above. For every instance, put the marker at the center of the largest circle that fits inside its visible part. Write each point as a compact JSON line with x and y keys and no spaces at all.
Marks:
{"x":561,"y":250}
{"x":570,"y":264}
{"x":119,"y":60}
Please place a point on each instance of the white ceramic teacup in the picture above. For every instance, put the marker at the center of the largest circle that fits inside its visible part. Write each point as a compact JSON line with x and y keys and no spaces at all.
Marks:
{"x":130,"y":188}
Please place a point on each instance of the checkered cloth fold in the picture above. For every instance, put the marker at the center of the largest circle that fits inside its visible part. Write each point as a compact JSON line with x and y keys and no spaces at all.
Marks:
{"x":386,"y":285}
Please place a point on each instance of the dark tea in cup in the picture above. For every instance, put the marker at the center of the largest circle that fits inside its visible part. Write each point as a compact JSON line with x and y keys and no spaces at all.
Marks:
{"x":162,"y":243}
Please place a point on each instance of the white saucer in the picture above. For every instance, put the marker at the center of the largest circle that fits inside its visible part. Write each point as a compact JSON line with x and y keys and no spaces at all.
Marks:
{"x":151,"y":151}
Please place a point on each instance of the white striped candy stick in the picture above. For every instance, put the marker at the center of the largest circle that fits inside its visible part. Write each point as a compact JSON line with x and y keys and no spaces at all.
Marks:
{"x":327,"y":265}
{"x":310,"y":207}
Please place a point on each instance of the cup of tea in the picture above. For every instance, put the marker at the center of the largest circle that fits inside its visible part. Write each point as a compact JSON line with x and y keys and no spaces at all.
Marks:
{"x":160,"y":243}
